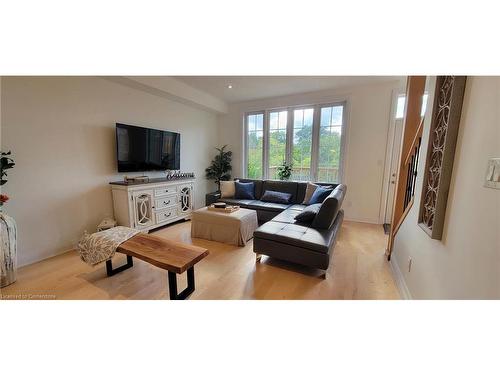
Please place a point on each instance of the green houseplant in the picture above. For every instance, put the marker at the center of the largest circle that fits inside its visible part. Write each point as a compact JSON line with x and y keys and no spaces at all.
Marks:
{"x":5,"y":163}
{"x":220,"y":169}
{"x":8,"y":230}
{"x":284,"y":171}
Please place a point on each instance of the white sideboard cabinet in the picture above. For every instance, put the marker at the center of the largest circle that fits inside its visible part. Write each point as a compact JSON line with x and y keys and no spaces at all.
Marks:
{"x":148,"y":205}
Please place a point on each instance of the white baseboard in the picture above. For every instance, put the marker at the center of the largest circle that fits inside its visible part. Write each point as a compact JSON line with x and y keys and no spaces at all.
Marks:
{"x":404,"y":292}
{"x":361,"y":220}
{"x":36,"y":260}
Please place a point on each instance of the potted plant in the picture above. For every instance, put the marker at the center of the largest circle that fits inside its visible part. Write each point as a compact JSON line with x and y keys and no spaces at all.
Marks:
{"x":220,"y":169}
{"x":284,"y":171}
{"x":8,"y":229}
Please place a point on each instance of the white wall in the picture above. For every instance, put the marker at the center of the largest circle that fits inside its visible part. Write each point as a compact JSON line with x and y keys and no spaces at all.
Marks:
{"x":61,"y":132}
{"x":178,"y":90}
{"x":466,"y":263}
{"x":368,"y":125}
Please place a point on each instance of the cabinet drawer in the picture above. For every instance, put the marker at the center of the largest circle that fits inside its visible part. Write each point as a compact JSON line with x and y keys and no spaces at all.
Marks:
{"x":159,"y":192}
{"x":165,"y":215}
{"x":165,"y":202}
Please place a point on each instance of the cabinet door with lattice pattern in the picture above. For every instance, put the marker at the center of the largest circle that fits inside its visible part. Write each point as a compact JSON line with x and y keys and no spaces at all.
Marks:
{"x":143,"y":209}
{"x":186,"y":198}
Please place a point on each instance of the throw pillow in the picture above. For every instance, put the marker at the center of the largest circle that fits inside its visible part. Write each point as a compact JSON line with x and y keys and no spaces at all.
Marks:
{"x":309,"y":192}
{"x":227,"y":189}
{"x":244,"y":190}
{"x":308,"y":214}
{"x":276,"y":197}
{"x":319,"y":195}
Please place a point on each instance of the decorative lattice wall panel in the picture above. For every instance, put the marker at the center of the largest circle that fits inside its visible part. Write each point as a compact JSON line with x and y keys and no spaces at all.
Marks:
{"x":446,"y":111}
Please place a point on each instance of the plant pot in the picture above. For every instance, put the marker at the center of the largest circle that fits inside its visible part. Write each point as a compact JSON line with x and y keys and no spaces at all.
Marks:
{"x":8,"y":250}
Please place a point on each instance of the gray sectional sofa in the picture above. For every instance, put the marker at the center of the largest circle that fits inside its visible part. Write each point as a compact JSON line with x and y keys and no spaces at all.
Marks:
{"x":281,"y":236}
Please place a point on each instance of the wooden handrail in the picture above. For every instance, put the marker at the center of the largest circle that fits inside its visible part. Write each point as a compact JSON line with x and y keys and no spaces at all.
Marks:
{"x":409,"y":155}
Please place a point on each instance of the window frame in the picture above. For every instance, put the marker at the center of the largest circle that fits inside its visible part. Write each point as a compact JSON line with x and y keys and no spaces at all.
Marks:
{"x":343,"y":136}
{"x":264,"y":143}
{"x":425,"y":99}
{"x":292,"y":110}
{"x":267,"y":132}
{"x":313,"y":176}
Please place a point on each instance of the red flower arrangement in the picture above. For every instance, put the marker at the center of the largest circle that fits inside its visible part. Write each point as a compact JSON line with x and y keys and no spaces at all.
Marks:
{"x":3,"y":199}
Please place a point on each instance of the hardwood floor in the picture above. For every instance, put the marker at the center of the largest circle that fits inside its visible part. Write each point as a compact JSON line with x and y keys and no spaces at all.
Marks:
{"x":358,"y":270}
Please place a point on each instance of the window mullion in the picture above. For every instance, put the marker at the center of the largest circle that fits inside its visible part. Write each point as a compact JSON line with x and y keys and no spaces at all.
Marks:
{"x":315,"y":144}
{"x":245,"y":154}
{"x":342,"y":143}
{"x":289,"y":136}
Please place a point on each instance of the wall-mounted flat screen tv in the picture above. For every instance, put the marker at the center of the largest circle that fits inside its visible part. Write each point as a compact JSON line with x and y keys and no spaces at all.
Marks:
{"x":142,"y":149}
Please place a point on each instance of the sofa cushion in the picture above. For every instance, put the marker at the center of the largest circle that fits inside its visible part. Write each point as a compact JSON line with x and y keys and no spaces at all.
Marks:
{"x":264,"y":216}
{"x":319,"y":195}
{"x":302,"y":187}
{"x":310,"y":189}
{"x":267,"y":206}
{"x":257,"y":186}
{"x":297,"y":207}
{"x":276,"y":197}
{"x":301,"y":191}
{"x":288,"y":216}
{"x":297,"y":235}
{"x":308,"y":214}
{"x":244,"y":190}
{"x":329,"y":208}
{"x":227,"y":189}
{"x":282,"y":186}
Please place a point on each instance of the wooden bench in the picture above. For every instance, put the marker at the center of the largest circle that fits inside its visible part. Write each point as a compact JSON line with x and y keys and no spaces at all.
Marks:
{"x":175,"y":257}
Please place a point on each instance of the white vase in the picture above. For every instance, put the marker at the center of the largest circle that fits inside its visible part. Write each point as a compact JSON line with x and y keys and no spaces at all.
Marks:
{"x":8,"y":250}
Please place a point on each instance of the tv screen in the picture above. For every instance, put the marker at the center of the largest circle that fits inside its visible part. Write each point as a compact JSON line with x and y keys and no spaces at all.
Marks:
{"x":142,"y":149}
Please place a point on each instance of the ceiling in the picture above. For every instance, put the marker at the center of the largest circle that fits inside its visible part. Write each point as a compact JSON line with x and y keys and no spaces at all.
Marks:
{"x":259,"y":87}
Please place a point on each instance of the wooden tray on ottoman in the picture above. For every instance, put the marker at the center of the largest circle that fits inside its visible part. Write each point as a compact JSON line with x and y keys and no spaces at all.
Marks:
{"x":227,"y":209}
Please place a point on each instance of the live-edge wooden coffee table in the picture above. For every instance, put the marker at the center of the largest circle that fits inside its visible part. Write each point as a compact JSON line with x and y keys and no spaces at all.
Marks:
{"x":175,"y":257}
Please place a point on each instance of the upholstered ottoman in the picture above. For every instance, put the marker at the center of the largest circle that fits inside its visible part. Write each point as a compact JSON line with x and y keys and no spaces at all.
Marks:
{"x":235,"y":228}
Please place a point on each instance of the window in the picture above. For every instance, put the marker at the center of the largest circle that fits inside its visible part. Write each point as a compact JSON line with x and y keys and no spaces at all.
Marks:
{"x":255,"y":140}
{"x":308,"y":137}
{"x":400,"y":107}
{"x":302,"y":144}
{"x":277,"y":141}
{"x":330,"y":134}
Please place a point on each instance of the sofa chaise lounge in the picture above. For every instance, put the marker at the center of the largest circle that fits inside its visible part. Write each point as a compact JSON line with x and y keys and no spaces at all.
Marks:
{"x":281,"y":236}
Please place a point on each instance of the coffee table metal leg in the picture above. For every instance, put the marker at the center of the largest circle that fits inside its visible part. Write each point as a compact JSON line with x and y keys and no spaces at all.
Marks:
{"x":172,"y":285}
{"x":109,"y":266}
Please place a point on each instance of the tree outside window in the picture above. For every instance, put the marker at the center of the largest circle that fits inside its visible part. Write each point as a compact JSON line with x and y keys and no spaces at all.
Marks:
{"x":288,"y":134}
